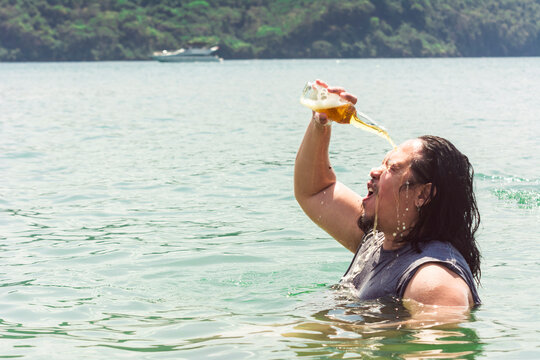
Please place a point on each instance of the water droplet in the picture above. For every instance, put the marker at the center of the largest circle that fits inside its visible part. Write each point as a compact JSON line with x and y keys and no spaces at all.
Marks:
{"x":406,"y":209}
{"x":394,"y":234}
{"x":404,"y":227}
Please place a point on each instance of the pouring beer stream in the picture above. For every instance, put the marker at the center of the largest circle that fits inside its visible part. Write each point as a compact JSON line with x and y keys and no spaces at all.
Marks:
{"x":317,"y":98}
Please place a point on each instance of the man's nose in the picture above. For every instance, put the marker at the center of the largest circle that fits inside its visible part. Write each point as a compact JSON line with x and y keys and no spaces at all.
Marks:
{"x":376,"y":172}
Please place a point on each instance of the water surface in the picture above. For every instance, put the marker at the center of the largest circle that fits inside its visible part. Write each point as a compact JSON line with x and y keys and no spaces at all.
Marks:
{"x":147,"y":209}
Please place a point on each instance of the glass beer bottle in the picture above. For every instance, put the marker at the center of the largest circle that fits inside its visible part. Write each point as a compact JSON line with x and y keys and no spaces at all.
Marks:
{"x":319,"y":99}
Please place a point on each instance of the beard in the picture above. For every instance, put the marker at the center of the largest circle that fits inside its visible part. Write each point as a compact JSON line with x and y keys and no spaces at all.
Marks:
{"x":366,"y":223}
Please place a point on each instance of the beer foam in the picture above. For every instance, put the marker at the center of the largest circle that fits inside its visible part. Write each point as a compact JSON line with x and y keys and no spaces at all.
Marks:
{"x":317,"y":97}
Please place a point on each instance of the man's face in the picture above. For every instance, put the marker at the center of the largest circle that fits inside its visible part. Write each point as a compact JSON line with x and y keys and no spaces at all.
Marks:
{"x":389,"y":197}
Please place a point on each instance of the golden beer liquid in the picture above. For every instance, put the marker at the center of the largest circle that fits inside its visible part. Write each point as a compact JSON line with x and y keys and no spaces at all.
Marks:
{"x":347,"y":114}
{"x":341,"y":114}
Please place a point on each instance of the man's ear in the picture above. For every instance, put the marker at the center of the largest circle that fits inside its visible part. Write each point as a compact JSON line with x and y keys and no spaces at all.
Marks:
{"x":424,"y":193}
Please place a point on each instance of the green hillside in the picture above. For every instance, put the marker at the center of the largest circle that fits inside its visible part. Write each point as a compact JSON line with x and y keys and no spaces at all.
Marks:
{"x":51,"y":30}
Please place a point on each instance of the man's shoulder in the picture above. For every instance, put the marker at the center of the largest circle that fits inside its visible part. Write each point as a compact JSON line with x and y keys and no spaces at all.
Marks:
{"x":435,"y":284}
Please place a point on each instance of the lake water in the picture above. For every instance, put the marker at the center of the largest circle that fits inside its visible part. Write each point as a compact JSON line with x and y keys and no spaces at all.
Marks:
{"x":147,"y":209}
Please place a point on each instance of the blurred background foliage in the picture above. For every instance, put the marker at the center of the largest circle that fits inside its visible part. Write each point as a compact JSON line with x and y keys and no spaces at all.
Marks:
{"x":54,"y":30}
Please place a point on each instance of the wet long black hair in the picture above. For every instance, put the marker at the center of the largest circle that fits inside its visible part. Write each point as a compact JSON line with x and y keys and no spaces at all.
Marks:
{"x":451,"y":213}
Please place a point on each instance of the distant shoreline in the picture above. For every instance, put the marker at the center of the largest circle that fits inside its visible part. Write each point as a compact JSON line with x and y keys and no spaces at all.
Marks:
{"x":272,"y":59}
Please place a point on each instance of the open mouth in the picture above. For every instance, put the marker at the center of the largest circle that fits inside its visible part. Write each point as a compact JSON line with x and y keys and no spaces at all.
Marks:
{"x":371,"y":191}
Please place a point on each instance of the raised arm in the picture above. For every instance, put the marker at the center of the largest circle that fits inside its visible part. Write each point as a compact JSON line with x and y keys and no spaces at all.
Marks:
{"x":330,"y":204}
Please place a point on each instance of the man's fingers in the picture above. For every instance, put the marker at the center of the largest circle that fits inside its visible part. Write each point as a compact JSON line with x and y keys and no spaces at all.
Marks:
{"x":338,"y":90}
{"x":321,"y":83}
{"x":349,"y":97}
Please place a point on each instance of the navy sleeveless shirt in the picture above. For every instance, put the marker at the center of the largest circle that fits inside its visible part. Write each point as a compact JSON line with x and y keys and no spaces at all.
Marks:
{"x":376,"y":273}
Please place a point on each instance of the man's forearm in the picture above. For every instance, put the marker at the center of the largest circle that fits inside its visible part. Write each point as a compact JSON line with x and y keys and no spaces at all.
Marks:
{"x":312,"y":171}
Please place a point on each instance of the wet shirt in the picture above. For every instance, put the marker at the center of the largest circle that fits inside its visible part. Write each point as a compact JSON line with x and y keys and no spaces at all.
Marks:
{"x":376,"y":273}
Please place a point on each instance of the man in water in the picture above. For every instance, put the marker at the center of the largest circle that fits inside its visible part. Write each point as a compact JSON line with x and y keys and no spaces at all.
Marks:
{"x":420,"y":201}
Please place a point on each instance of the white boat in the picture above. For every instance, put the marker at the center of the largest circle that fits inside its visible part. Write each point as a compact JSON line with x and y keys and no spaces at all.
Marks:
{"x":187,"y":55}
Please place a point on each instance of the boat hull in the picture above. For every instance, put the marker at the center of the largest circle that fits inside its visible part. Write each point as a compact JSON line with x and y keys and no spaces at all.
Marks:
{"x":183,"y":58}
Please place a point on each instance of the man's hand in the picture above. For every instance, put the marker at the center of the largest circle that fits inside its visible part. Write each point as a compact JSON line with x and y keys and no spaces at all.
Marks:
{"x":338,"y":90}
{"x":321,"y":118}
